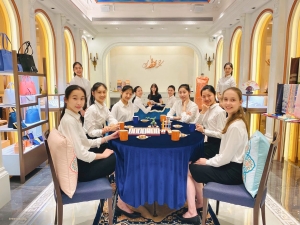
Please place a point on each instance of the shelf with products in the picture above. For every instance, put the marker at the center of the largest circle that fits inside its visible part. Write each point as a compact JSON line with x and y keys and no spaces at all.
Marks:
{"x":28,"y":112}
{"x":255,"y":103}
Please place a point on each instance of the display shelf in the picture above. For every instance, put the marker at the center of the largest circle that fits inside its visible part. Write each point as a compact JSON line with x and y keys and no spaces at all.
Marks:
{"x":281,"y":118}
{"x":35,"y":102}
{"x":255,"y":103}
{"x":7,"y":105}
{"x":31,"y":74}
{"x":4,"y":128}
{"x":8,"y":73}
{"x":32,"y":125}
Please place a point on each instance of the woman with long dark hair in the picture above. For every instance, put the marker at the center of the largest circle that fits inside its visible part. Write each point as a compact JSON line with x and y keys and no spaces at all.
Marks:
{"x":137,"y":101}
{"x":98,"y":114}
{"x":94,"y":159}
{"x":154,"y":96}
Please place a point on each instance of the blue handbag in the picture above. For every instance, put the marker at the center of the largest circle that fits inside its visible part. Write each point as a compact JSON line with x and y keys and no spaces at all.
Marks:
{"x":5,"y":55}
{"x":12,"y":118}
{"x":32,"y":115}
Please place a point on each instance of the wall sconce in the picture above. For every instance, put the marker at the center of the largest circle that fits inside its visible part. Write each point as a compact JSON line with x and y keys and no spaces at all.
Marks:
{"x":94,"y":60}
{"x":209,"y":60}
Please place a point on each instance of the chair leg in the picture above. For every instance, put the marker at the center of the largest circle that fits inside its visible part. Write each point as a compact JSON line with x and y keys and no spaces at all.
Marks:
{"x":59,"y":214}
{"x":263,"y":214}
{"x":204,"y":212}
{"x":256,"y":210}
{"x":99,"y":212}
{"x":110,"y":211}
{"x":55,"y":221}
{"x":217,"y":207}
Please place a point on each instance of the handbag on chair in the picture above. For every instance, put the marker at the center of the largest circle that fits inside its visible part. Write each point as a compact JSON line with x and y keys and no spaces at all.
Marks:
{"x":5,"y":54}
{"x":9,"y":94}
{"x":26,"y":60}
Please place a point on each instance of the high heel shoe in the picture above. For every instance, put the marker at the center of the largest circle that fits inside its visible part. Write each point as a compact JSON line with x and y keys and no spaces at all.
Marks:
{"x":194,"y":220}
{"x":133,"y":215}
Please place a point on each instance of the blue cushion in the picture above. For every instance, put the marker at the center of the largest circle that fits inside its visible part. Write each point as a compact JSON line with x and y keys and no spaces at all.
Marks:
{"x":254,"y":162}
{"x":88,"y":191}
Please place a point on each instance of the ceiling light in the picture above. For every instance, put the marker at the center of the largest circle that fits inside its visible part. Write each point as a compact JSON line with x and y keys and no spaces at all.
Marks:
{"x":117,"y":28}
{"x":162,"y":28}
{"x":221,"y":15}
{"x":219,"y":1}
{"x":37,"y":28}
{"x":52,"y":8}
{"x":151,"y":28}
{"x":186,"y":28}
{"x":88,"y":35}
{"x":84,"y":32}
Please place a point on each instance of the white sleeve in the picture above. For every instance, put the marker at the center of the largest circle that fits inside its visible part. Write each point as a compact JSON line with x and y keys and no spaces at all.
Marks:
{"x":218,"y":86}
{"x":172,"y":111}
{"x":199,"y":118}
{"x":187,"y":118}
{"x":90,"y":120}
{"x":139,"y":104}
{"x":232,"y":83}
{"x":220,"y":119}
{"x":114,"y":111}
{"x":231,"y":148}
{"x":110,"y":118}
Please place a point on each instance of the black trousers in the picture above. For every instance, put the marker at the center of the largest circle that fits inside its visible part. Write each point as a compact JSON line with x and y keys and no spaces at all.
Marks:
{"x":97,"y":168}
{"x":211,"y":147}
{"x":228,"y":174}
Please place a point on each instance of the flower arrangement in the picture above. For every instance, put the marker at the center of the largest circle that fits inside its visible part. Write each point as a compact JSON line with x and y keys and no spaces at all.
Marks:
{"x":153,"y":122}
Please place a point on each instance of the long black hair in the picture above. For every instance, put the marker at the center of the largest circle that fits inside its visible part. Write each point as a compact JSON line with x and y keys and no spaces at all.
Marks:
{"x":156,"y":91}
{"x":125,"y":88}
{"x":74,"y":64}
{"x":95,"y":88}
{"x":173,"y":87}
{"x":134,"y":91}
{"x":68,"y":92}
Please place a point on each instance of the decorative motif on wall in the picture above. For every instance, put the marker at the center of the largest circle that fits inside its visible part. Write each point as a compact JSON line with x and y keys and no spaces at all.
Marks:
{"x":268,"y":62}
{"x":152,"y":63}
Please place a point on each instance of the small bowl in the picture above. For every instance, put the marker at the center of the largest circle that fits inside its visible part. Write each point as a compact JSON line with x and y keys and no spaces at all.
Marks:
{"x":177,"y":125}
{"x":182,"y":135}
{"x":128,"y":127}
{"x":144,"y":120}
{"x":142,"y":137}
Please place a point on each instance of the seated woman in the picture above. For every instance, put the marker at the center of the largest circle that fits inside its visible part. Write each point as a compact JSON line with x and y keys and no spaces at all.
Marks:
{"x":186,"y":110}
{"x":171,"y":99}
{"x":154,"y":96}
{"x":211,"y":121}
{"x":225,"y":167}
{"x":137,"y":101}
{"x":98,"y":114}
{"x":94,"y":159}
{"x":123,"y":110}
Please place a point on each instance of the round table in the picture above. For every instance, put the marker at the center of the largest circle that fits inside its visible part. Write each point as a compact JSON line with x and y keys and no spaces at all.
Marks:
{"x":155,"y":169}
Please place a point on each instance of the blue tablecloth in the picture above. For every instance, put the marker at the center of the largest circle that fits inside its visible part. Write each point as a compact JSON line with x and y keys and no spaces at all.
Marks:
{"x":156,"y":111}
{"x":155,"y":169}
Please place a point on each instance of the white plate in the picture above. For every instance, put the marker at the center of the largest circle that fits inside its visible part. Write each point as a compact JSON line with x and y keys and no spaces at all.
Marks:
{"x":177,"y":126}
{"x":182,"y":135}
{"x":138,"y":137}
{"x":144,"y":120}
{"x":128,"y":127}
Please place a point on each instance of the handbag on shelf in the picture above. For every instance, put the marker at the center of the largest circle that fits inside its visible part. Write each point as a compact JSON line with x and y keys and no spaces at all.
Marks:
{"x":27,"y":86}
{"x":32,"y":115}
{"x":12,"y":118}
{"x":297,"y":104}
{"x":3,"y":122}
{"x":25,"y":59}
{"x":5,"y":54}
{"x":9,"y":94}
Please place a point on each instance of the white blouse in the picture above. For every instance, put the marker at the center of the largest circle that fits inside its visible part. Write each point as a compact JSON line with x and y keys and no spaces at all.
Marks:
{"x":71,"y":127}
{"x":84,"y":83}
{"x":185,"y":118}
{"x":95,"y":117}
{"x":121,"y":112}
{"x":213,"y":120}
{"x":137,"y":104}
{"x":170,"y":102}
{"x":225,"y":83}
{"x":233,"y":145}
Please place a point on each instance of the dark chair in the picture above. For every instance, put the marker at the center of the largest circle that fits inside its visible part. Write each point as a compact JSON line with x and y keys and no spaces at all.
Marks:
{"x":238,"y":195}
{"x":85,"y":191}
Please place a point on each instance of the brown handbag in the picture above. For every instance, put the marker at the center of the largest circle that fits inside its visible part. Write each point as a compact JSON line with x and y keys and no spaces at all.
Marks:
{"x":3,"y":122}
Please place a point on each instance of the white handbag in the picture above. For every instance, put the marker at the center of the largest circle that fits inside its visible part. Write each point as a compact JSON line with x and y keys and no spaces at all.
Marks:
{"x":9,"y":94}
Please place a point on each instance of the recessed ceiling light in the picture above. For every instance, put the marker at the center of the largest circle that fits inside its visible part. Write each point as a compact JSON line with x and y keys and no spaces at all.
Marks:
{"x":88,"y":35}
{"x":151,"y":28}
{"x":162,"y":28}
{"x":117,"y":28}
{"x":186,"y":28}
{"x":198,"y":28}
{"x":105,"y":28}
{"x":37,"y":28}
{"x":52,"y":8}
{"x":84,"y":32}
{"x":253,"y":7}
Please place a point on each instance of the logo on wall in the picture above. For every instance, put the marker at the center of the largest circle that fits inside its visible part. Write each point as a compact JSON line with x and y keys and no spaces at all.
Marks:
{"x":152,"y":63}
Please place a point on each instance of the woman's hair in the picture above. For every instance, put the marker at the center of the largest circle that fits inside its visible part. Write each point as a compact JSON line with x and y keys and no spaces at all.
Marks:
{"x":68,"y":92}
{"x":209,"y":88}
{"x":173,"y":87}
{"x":228,"y":64}
{"x":95,"y":88}
{"x":74,"y":64}
{"x":156,"y":91}
{"x":125,"y":88}
{"x":185,"y":86}
{"x":134,"y":91}
{"x":240,"y":114}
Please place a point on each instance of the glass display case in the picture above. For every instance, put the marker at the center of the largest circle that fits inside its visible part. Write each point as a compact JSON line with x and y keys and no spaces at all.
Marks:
{"x":255,"y":103}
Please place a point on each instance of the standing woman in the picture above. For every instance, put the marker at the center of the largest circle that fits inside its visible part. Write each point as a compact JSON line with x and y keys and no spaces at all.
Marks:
{"x":123,"y":110}
{"x":98,"y":114}
{"x":186,"y":110}
{"x":154,"y":96}
{"x":226,"y":167}
{"x":79,"y":80}
{"x":171,"y":99}
{"x":137,"y":101}
{"x":211,"y":121}
{"x":226,"y":81}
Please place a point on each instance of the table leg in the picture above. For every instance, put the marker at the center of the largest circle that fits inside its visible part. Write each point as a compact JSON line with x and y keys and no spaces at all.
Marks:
{"x":154,"y":210}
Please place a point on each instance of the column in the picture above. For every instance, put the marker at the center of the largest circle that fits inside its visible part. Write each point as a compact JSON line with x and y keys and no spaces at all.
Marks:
{"x":78,"y":45}
{"x":60,"y":21}
{"x":245,"y":48}
{"x":276,"y":62}
{"x":226,"y":45}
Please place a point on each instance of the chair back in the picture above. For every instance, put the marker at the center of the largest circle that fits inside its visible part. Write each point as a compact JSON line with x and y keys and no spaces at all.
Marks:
{"x":57,"y":189}
{"x":264,"y":179}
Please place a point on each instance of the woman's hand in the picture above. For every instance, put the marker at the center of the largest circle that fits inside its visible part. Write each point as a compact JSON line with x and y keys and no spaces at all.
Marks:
{"x":201,"y":161}
{"x":113,"y":135}
{"x":199,"y":128}
{"x":189,"y":113}
{"x":107,"y":152}
{"x":82,"y":112}
{"x":113,"y":127}
{"x":204,"y":108}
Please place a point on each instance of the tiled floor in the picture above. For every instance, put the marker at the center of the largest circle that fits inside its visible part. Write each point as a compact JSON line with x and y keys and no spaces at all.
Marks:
{"x":36,"y":197}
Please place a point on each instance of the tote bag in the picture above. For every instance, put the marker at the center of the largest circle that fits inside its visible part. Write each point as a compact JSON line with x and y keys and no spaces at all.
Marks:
{"x":5,"y":54}
{"x":25,"y":59}
{"x":27,"y":86}
{"x":32,"y":115}
{"x":9,"y":94}
{"x":12,"y":118}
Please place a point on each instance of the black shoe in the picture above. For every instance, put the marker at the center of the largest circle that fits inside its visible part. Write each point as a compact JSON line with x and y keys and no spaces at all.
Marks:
{"x":200,"y":211}
{"x":133,"y":215}
{"x":194,"y":220}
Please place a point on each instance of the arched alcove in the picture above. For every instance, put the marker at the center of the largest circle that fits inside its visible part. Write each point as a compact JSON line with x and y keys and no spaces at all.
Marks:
{"x":235,"y":52}
{"x":70,"y":53}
